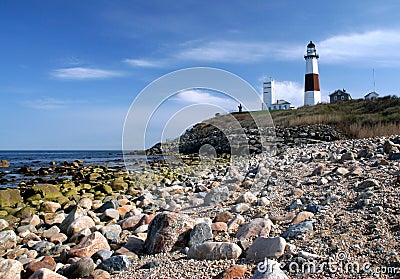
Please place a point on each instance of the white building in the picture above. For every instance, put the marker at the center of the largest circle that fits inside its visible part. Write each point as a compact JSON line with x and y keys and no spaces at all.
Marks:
{"x":312,"y":92}
{"x":269,"y":98}
{"x":268,"y":94}
{"x":371,"y":95}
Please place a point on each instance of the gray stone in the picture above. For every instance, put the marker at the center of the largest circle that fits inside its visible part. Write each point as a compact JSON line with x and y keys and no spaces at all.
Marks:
{"x":110,"y":214}
{"x":266,"y":247}
{"x":8,"y":240}
{"x":43,"y":248}
{"x":200,"y":233}
{"x":102,"y":255}
{"x":299,"y":229}
{"x":240,"y":208}
{"x":217,"y":195}
{"x":115,"y":263}
{"x":214,"y":251}
{"x":80,"y":269}
{"x":75,"y":213}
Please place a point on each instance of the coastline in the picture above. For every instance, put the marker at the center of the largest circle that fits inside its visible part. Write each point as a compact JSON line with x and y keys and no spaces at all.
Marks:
{"x":308,"y":203}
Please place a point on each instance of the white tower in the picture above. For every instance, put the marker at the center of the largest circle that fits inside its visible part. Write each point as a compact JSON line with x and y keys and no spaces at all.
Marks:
{"x":312,"y":93}
{"x":268,"y":94}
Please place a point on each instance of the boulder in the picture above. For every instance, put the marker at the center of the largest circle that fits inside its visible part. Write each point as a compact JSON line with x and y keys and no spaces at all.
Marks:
{"x":45,"y":273}
{"x":44,"y":262}
{"x":80,"y":269}
{"x":80,"y":223}
{"x":266,"y":247}
{"x":216,"y":196}
{"x":168,"y":230}
{"x":4,"y":164}
{"x":200,"y":233}
{"x":8,"y":240}
{"x":75,"y":213}
{"x":115,"y":263}
{"x":214,"y":251}
{"x":10,"y":197}
{"x":89,"y":245}
{"x":256,"y":227}
{"x":10,"y":269}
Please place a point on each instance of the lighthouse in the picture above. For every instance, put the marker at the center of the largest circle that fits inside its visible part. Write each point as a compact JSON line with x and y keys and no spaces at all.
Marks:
{"x":312,"y":93}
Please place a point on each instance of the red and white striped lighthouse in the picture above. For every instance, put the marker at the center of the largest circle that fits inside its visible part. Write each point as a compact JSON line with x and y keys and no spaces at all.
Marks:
{"x":312,"y":93}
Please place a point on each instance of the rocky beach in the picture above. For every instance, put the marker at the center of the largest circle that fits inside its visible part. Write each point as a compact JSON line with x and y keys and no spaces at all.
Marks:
{"x":315,"y":209}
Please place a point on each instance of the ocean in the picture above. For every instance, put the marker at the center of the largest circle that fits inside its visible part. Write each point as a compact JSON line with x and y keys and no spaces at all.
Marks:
{"x":35,"y":160}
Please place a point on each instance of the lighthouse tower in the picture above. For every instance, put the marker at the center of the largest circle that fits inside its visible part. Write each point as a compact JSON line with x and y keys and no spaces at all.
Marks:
{"x":268,"y":94}
{"x":312,"y":93}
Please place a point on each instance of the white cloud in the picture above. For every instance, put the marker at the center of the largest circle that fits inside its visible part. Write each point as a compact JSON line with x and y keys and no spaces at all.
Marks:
{"x":197,"y":96}
{"x":49,"y":103}
{"x":290,"y":91}
{"x":81,"y":73}
{"x":146,"y":63}
{"x":378,"y":47}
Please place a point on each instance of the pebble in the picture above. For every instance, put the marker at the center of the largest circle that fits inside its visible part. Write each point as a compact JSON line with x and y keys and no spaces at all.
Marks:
{"x":115,"y":263}
{"x":256,"y":227}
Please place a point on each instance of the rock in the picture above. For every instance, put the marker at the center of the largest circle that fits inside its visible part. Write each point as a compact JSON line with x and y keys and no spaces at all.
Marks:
{"x":389,"y":147}
{"x":47,"y":192}
{"x":214,"y":251}
{"x":168,"y":230}
{"x":263,"y":201}
{"x":240,"y":208}
{"x":10,"y":269}
{"x":224,"y":216}
{"x":315,"y":208}
{"x":219,"y":227}
{"x":256,"y":227}
{"x":369,"y":183}
{"x":102,"y":255}
{"x":341,"y":171}
{"x":348,"y":156}
{"x":318,"y":171}
{"x":247,"y":197}
{"x":119,"y":185}
{"x":8,"y":240}
{"x":200,"y":233}
{"x":45,"y":273}
{"x":296,"y":204}
{"x":85,"y":203}
{"x":236,"y":271}
{"x":80,"y":223}
{"x":58,"y":238}
{"x":130,"y":223}
{"x":377,"y":209}
{"x":299,"y":229}
{"x":322,"y":181}
{"x":10,"y":197}
{"x":53,"y":218}
{"x":3,"y":224}
{"x":75,"y":213}
{"x":43,"y":247}
{"x":89,"y":245}
{"x":395,"y":156}
{"x":115,"y":263}
{"x":288,"y":217}
{"x":301,"y":216}
{"x":100,"y":274}
{"x":269,"y":269}
{"x":80,"y":269}
{"x":134,"y":244}
{"x":266,"y":247}
{"x":50,"y":232}
{"x":234,"y":224}
{"x":50,"y":207}
{"x":44,"y":262}
{"x":110,"y":214}
{"x":4,"y":164}
{"x":216,"y":196}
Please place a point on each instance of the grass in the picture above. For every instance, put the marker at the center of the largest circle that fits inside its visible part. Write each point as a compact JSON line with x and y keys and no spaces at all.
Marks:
{"x":355,"y":118}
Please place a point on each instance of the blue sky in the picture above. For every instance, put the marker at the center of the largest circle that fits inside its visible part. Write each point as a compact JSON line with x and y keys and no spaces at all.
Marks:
{"x":71,"y":69}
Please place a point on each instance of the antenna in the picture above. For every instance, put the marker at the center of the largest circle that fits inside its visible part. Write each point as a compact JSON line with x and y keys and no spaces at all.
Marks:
{"x":373,"y":77}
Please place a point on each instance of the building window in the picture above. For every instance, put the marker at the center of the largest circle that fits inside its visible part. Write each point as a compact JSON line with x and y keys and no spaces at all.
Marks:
{"x":335,"y":98}
{"x":342,"y":97}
